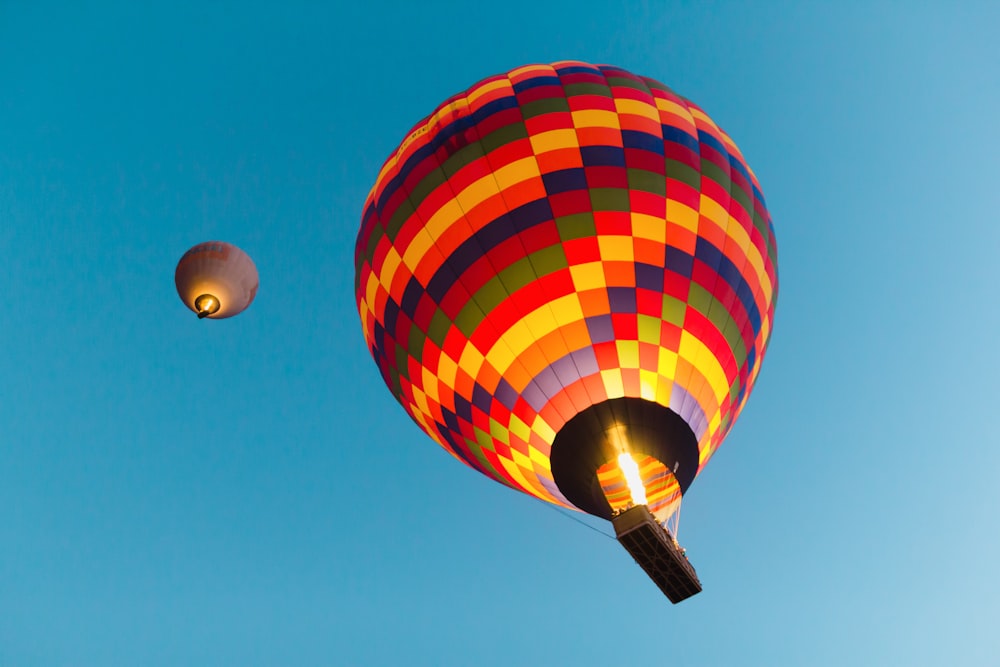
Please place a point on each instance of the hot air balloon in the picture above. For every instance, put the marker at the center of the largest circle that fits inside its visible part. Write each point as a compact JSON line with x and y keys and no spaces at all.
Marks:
{"x":566,"y":275}
{"x":216,"y":280}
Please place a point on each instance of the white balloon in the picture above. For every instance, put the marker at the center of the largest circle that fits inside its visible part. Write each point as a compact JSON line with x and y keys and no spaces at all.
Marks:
{"x":216,"y":280}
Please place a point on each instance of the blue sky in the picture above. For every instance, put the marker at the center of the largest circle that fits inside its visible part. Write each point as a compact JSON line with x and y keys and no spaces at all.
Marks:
{"x":177,"y":492}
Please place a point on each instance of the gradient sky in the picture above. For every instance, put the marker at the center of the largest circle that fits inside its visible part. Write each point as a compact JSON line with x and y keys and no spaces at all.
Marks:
{"x":247,"y":492}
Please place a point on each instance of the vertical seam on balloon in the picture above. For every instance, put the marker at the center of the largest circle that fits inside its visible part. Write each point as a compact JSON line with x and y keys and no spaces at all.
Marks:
{"x":666,"y":223}
{"x":547,"y":304}
{"x":733,"y":206}
{"x":716,"y":269}
{"x":670,"y":204}
{"x":561,"y":329}
{"x":717,"y":278}
{"x":659,"y":128}
{"x":623,"y":418}
{"x":469,"y":459}
{"x":671,"y":500}
{"x":517,"y":359}
{"x":715,"y":284}
{"x":735,"y":407}
{"x":682,"y":378}
{"x":580,"y":145}
{"x":757,"y":291}
{"x":692,"y":375}
{"x":540,"y":488}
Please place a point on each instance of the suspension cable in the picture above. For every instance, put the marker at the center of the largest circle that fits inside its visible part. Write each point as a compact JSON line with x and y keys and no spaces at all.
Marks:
{"x":579,"y":521}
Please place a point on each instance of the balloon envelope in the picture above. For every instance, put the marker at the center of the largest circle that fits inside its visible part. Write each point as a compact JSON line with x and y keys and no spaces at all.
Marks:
{"x":566,"y":262}
{"x":221,"y":271}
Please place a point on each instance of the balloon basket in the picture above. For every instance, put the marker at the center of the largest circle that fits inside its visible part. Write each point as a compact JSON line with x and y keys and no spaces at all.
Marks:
{"x":657,"y":553}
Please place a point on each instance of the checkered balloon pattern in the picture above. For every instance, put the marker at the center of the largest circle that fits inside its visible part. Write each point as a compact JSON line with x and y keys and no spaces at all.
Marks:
{"x":555,"y":237}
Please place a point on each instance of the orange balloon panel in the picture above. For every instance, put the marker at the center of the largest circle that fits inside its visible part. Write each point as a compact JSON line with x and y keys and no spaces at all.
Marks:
{"x":556,"y":238}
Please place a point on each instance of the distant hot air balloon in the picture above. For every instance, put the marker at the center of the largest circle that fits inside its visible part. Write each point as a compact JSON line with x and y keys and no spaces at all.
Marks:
{"x":216,"y":280}
{"x":567,"y":276}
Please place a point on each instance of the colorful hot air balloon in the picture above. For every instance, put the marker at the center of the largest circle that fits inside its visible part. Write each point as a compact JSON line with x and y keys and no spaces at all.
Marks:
{"x":216,"y":280}
{"x":562,"y":265}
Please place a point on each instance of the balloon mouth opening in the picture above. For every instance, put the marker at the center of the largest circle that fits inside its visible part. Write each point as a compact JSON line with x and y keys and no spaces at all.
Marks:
{"x":206,"y":305}
{"x":585,"y":465}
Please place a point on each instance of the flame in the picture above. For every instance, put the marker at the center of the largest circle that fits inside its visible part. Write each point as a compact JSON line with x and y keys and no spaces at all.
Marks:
{"x":631,"y":471}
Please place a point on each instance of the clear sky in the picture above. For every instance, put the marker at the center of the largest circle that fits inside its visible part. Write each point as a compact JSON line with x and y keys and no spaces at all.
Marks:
{"x":247,"y":492}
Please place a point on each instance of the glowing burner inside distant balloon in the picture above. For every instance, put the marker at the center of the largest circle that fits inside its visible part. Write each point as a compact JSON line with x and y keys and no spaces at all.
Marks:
{"x":216,"y":280}
{"x":206,"y":305}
